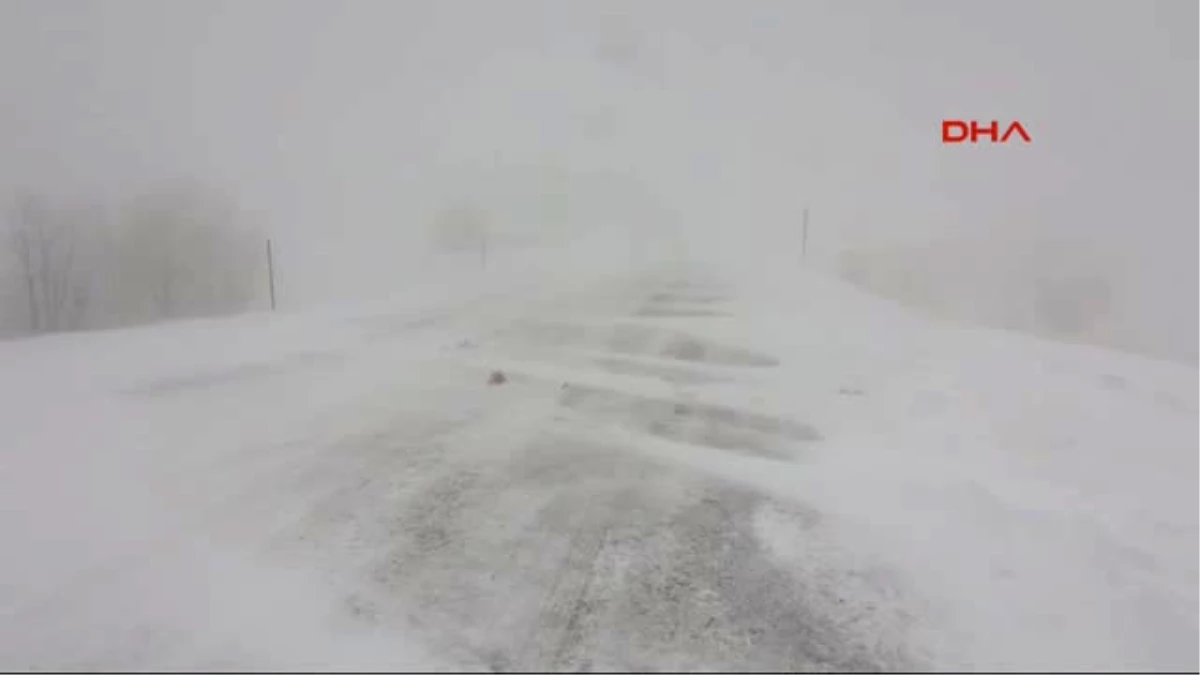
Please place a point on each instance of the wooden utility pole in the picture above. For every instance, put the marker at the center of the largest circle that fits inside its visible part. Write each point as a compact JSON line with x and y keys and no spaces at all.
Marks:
{"x":804,"y":236}
{"x":271,"y":273}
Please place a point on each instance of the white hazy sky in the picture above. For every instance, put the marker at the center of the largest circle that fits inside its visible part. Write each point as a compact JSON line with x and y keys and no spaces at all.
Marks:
{"x":342,"y":124}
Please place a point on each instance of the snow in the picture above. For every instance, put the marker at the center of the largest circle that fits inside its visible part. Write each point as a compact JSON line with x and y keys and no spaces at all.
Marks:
{"x":116,"y":442}
{"x":993,"y":501}
{"x":1043,"y":495}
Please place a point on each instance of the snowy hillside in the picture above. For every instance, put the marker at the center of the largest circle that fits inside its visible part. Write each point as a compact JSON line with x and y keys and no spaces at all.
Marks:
{"x":687,"y":467}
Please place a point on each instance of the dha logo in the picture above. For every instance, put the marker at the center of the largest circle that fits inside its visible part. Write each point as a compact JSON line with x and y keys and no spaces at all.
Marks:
{"x":958,"y":131}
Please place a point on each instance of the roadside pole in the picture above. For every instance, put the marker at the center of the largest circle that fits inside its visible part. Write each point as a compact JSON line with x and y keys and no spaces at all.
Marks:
{"x":804,"y":236}
{"x":271,"y":273}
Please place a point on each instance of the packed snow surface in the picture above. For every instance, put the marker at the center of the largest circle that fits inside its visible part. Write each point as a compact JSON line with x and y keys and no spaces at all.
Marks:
{"x":685,"y":467}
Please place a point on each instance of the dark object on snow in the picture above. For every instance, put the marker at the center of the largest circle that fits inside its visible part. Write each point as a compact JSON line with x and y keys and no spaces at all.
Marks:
{"x":497,"y":377}
{"x":849,"y":391}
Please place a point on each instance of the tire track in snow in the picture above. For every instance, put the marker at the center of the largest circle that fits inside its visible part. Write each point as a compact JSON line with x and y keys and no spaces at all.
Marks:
{"x":538,"y":549}
{"x":486,"y":520}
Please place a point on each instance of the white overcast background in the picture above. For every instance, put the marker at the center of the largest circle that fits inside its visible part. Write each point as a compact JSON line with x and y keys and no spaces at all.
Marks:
{"x":342,"y":126}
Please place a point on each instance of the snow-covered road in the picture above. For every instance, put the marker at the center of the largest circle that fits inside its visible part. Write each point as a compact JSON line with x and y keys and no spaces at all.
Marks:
{"x":442,"y":519}
{"x":681,"y":471}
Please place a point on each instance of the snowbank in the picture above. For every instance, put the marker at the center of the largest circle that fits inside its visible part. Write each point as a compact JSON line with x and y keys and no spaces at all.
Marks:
{"x":1038,"y":499}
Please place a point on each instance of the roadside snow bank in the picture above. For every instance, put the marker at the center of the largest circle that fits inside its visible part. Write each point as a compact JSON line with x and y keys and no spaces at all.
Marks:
{"x":1037,"y":499}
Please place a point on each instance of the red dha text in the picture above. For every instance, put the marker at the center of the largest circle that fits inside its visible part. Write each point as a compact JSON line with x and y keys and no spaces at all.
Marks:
{"x":958,"y":131}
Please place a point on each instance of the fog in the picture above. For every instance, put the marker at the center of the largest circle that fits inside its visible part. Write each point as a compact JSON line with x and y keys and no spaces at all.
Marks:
{"x":343,"y":130}
{"x":491,"y":425}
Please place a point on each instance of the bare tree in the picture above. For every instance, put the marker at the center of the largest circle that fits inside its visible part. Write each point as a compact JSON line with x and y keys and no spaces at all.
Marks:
{"x":23,"y":246}
{"x":177,"y":251}
{"x":185,"y":253}
{"x":45,"y":242}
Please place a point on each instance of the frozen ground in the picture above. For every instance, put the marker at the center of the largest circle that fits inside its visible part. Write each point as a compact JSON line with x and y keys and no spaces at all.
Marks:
{"x":688,"y":468}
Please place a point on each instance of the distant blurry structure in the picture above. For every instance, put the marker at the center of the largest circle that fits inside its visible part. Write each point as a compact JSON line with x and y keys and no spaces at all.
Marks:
{"x":1045,"y":287}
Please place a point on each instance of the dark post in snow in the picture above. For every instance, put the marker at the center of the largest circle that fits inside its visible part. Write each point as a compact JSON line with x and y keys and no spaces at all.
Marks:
{"x":483,"y":249}
{"x":804,"y":236}
{"x":271,"y":274}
